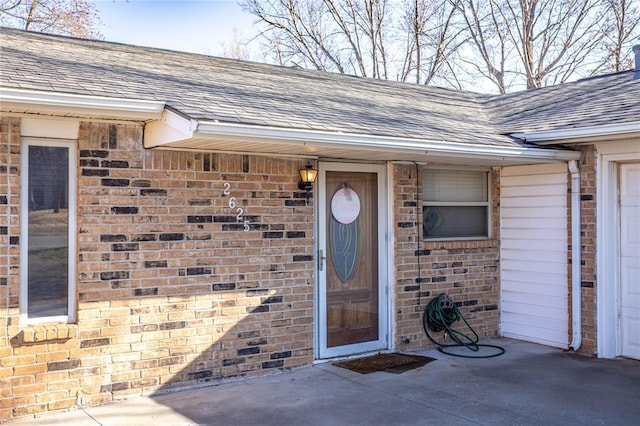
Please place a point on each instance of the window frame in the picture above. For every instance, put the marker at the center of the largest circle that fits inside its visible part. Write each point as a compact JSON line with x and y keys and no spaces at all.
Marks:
{"x":487,"y":204}
{"x":24,"y":230}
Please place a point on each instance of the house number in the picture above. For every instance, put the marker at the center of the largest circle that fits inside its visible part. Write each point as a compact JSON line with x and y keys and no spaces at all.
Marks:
{"x":234,"y":206}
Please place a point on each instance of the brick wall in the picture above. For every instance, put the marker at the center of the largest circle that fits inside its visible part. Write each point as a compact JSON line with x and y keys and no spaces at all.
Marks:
{"x":588,"y":234}
{"x":466,"y":270}
{"x":171,"y":290}
{"x":9,"y":259}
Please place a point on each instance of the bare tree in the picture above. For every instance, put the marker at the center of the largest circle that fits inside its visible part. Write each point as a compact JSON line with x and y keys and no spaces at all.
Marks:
{"x":401,"y":39}
{"x":345,"y":36}
{"x":620,"y":30}
{"x":488,"y":34}
{"x":297,"y":33}
{"x":78,"y":18}
{"x":431,"y":38}
{"x":532,"y":42}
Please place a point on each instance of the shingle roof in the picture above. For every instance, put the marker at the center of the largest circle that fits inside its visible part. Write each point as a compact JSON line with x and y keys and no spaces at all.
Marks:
{"x":230,"y":91}
{"x":606,"y":99}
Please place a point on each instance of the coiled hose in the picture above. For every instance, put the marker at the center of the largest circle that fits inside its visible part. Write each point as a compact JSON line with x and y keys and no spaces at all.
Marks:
{"x":439,"y":314}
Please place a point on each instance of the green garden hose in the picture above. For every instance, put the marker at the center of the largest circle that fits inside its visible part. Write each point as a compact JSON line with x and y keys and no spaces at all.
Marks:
{"x":439,"y":315}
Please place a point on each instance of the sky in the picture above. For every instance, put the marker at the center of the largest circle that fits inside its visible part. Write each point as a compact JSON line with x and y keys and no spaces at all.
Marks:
{"x":203,"y":26}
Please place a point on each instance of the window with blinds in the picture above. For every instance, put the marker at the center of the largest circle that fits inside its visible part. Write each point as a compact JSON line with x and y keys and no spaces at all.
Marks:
{"x":455,"y":204}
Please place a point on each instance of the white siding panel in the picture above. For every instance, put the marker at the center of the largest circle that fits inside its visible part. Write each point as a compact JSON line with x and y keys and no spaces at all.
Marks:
{"x":537,"y":222}
{"x":555,"y":302}
{"x":539,"y":245}
{"x":547,"y":295}
{"x":533,"y":170}
{"x":528,"y":212}
{"x":534,"y":334}
{"x":533,"y":191}
{"x":552,"y":267}
{"x":524,"y":253}
{"x":529,"y":202}
{"x":539,"y":278}
{"x":525,"y":180}
{"x":543,"y":322}
{"x":534,"y":277}
{"x":532,"y":233}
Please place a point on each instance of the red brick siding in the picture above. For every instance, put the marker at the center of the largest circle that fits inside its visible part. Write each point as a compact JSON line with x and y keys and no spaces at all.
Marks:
{"x":588,"y":251}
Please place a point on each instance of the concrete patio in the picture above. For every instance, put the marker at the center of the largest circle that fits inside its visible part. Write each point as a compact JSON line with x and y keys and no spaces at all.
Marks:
{"x":529,"y":385}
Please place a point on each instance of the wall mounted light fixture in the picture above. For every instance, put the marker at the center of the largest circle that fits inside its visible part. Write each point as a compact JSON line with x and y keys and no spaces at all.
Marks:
{"x":308,"y":176}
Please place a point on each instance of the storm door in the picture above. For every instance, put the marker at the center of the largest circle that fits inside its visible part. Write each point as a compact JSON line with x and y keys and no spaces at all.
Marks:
{"x":352,"y":262}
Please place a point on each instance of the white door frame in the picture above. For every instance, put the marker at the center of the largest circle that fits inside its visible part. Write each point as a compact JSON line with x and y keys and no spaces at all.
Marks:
{"x":607,"y":246}
{"x":384,"y":320}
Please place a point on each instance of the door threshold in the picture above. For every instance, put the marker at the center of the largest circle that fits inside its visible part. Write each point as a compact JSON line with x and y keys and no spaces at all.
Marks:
{"x":352,"y":356}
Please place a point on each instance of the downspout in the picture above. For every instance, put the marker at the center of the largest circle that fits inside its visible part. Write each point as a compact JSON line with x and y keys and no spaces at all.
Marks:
{"x":576,"y":261}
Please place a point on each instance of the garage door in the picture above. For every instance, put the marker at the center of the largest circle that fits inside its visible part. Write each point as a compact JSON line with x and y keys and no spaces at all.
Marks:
{"x":630,"y":260}
{"x":534,"y":286}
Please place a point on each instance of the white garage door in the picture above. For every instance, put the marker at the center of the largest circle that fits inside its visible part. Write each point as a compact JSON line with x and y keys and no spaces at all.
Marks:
{"x":534,"y":290}
{"x":630,"y":260}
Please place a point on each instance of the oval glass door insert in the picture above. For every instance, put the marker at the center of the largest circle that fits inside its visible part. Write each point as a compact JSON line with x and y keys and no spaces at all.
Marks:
{"x":345,"y":209}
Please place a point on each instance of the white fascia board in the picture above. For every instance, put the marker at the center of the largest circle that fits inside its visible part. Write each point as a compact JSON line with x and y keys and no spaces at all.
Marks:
{"x":421,"y":146}
{"x":65,"y":104}
{"x":171,"y":127}
{"x":557,"y":136}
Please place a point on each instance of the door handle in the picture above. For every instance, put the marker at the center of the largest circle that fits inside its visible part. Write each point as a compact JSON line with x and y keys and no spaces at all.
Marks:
{"x":321,"y":260}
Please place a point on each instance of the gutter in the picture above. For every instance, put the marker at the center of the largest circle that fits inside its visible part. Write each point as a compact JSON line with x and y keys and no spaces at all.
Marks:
{"x":175,"y":131}
{"x":576,"y":261}
{"x":64,"y":104}
{"x":549,"y":137}
{"x":355,"y":140}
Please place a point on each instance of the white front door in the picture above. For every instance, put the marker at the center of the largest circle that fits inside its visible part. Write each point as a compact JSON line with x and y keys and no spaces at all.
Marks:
{"x":352,"y":308}
{"x":629,"y":193}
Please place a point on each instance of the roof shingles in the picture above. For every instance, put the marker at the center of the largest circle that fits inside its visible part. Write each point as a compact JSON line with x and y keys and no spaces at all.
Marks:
{"x":231,"y":91}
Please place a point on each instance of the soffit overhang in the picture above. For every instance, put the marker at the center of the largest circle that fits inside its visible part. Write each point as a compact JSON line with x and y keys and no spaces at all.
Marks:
{"x":174,"y":131}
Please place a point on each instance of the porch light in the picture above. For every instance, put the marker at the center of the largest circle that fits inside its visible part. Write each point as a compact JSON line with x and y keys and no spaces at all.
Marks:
{"x":308,"y":176}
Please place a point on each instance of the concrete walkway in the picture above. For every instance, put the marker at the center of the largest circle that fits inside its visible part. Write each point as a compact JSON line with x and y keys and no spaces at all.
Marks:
{"x":529,"y":385}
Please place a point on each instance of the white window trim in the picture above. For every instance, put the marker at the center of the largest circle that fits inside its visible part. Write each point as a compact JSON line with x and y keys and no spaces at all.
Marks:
{"x":488,"y":204}
{"x":24,"y":231}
